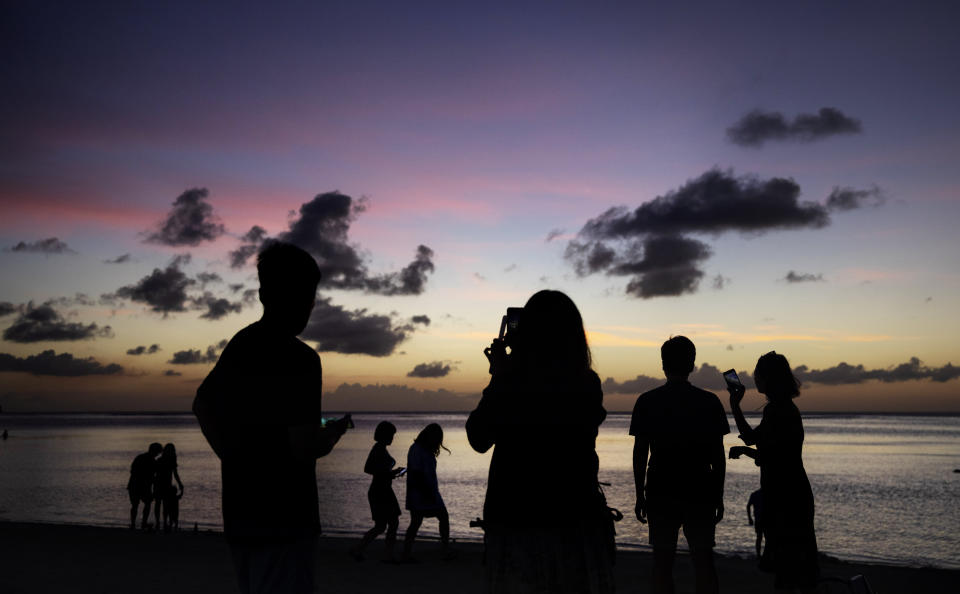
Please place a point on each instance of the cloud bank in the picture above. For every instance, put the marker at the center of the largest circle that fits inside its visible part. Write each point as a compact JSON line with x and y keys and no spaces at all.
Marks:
{"x":434,"y":369}
{"x":144,"y":350}
{"x":50,"y":245}
{"x":196,"y":356}
{"x":339,"y":330}
{"x":44,"y":323}
{"x":62,"y":365}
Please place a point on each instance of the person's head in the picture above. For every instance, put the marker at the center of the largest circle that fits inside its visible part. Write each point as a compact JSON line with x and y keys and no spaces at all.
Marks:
{"x":155,"y":449}
{"x":774,"y":378}
{"x":384,"y":432}
{"x":432,"y":438}
{"x":678,"y":356}
{"x":288,"y":285}
{"x":551,"y":334}
{"x":169,"y":451}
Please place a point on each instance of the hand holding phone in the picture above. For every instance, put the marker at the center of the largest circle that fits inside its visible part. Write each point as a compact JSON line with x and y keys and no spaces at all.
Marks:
{"x":734,"y":386}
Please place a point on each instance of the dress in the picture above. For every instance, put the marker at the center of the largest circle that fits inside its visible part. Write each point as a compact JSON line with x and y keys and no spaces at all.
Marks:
{"x":383,"y":502}
{"x":545,"y":529}
{"x":791,"y":549}
{"x":423,"y":497}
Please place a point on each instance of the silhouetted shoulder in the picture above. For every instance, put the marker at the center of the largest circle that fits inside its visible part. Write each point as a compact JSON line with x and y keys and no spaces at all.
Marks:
{"x":676,"y":401}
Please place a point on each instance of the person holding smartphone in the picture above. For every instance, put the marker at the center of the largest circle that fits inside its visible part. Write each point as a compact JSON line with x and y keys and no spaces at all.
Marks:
{"x":791,"y":550}
{"x":383,"y":502}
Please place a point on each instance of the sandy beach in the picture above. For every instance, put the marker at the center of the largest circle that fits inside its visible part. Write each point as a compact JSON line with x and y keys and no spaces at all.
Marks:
{"x":41,"y":558}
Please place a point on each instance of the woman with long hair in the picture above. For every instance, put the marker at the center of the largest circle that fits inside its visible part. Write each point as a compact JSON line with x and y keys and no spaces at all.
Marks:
{"x":383,"y":502}
{"x":791,"y":549}
{"x":163,"y":490}
{"x":543,"y":513}
{"x":423,"y":490}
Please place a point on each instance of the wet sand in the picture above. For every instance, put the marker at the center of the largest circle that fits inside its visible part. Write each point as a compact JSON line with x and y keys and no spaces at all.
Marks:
{"x":48,"y":558}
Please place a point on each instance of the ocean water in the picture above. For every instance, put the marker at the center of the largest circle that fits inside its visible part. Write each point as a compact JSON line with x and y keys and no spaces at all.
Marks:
{"x":884,"y":485}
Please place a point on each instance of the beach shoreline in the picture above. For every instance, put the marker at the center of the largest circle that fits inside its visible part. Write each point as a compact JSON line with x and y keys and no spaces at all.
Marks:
{"x":55,"y":558}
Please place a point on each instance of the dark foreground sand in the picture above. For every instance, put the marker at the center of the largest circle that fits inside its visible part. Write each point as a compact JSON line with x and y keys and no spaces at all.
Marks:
{"x":40,"y":558}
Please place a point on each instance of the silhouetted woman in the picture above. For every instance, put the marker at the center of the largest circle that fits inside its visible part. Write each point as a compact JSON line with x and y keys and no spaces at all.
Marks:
{"x":423,"y":491}
{"x":791,"y":550}
{"x":163,"y":489}
{"x":542,"y":410}
{"x":383,"y":503}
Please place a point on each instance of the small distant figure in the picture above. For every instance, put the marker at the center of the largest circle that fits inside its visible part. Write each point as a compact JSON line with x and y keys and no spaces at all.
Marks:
{"x":788,"y":508}
{"x":682,"y":427}
{"x":6,"y":435}
{"x":165,"y":494}
{"x":383,"y":502}
{"x":423,"y":490}
{"x":756,"y":520}
{"x":140,"y":485}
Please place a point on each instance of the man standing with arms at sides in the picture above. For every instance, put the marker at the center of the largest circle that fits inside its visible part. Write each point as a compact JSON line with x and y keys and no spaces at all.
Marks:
{"x":260,"y":411}
{"x":140,"y":485}
{"x":682,"y":427}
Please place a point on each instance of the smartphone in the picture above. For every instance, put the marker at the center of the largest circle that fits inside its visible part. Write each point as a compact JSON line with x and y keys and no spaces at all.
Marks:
{"x":402,"y":472}
{"x":510,"y":321}
{"x":730,"y":376}
{"x":325,"y":421}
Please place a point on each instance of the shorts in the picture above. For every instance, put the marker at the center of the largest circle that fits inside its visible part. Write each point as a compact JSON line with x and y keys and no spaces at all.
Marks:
{"x":667,"y":516}
{"x":138,"y":495}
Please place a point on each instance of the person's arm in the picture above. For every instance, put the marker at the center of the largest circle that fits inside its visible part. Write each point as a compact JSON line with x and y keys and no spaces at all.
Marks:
{"x":641,"y":445}
{"x":718,"y":471}
{"x":206,"y":410}
{"x":747,"y":433}
{"x":311,"y":441}
{"x":483,"y":422}
{"x":749,"y":516}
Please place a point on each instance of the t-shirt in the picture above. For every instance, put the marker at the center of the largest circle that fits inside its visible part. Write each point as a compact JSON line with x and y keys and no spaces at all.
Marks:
{"x":264,"y":384}
{"x":142,"y":472}
{"x":684,"y":425}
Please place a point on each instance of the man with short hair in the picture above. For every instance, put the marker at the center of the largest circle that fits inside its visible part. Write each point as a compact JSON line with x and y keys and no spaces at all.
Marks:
{"x":140,"y":485}
{"x":260,"y":411}
{"x":682,"y":428}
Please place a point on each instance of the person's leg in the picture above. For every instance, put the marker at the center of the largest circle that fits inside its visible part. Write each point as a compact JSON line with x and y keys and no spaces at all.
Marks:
{"x":759,"y":538}
{"x":134,"y":504}
{"x":391,"y":539}
{"x":663,"y":569}
{"x":415,"y":520}
{"x":444,"y":518}
{"x":157,"y":501}
{"x":368,"y":537}
{"x":146,"y":514}
{"x":704,"y":571}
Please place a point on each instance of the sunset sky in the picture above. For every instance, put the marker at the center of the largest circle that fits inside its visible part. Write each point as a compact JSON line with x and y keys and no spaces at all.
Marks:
{"x":752,"y":175}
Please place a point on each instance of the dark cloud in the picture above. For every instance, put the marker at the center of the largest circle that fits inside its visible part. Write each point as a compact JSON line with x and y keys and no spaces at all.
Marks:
{"x":172,"y":373}
{"x":50,"y":245}
{"x":716,"y":202}
{"x":411,"y":280}
{"x":856,"y":374}
{"x":77,"y":299}
{"x":144,"y":350}
{"x":720,"y":282}
{"x":321,"y":227}
{"x":207,"y":278}
{"x":190,"y":222}
{"x":842,"y":198}
{"x":62,"y":365}
{"x":650,"y":244}
{"x":553,"y":234}
{"x":122,"y":259}
{"x":236,"y":288}
{"x":336,"y":329}
{"x":802,"y":277}
{"x":251,"y":242}
{"x":729,"y":347}
{"x":44,"y":323}
{"x":433,"y":369}
{"x":637,"y":385}
{"x":251,"y":296}
{"x":421,"y":319}
{"x":216,"y":307}
{"x":164,"y":290}
{"x":758,"y":127}
{"x":7,"y":308}
{"x":196,"y":356}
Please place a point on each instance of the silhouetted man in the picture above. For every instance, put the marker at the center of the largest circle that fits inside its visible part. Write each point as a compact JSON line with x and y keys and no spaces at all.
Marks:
{"x":682,"y":427}
{"x":140,"y":485}
{"x":260,"y":411}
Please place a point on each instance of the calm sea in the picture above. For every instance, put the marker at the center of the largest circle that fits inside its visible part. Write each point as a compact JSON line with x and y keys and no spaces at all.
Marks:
{"x":884,"y":485}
